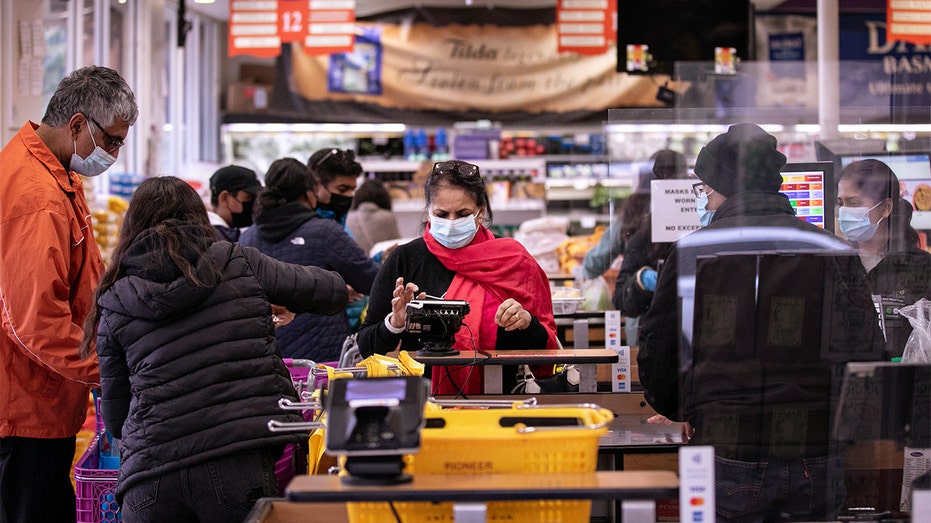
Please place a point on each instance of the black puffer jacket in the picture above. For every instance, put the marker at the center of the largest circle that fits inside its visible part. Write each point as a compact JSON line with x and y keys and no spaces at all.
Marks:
{"x":295,"y":234}
{"x":191,"y":373}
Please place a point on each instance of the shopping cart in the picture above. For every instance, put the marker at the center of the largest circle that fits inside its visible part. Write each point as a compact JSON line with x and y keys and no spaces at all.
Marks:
{"x":318,"y":462}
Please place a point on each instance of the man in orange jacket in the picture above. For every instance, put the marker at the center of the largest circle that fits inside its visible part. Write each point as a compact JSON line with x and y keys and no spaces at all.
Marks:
{"x":49,"y":267}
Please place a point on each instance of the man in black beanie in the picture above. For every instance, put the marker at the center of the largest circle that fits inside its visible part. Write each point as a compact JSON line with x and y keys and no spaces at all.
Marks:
{"x":755,"y":382}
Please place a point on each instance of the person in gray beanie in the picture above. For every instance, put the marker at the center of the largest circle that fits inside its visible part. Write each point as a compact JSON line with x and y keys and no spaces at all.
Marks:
{"x":755,"y":354}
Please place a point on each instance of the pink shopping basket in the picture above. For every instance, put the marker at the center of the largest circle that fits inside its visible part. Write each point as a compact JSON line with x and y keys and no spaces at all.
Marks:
{"x":95,"y":487}
{"x":294,"y":458}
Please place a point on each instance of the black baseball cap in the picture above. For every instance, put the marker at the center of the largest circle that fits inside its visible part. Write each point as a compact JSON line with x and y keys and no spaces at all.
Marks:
{"x":234,"y":178}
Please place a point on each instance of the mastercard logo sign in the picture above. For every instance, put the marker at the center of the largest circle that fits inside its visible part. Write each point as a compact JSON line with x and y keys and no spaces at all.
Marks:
{"x":696,"y":502}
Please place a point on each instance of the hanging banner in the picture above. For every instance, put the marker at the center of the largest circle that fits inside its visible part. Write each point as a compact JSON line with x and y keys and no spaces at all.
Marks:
{"x":469,"y":69}
{"x":360,"y":70}
{"x":585,"y":26}
{"x":909,"y":21}
{"x":254,"y":27}
{"x":332,"y":27}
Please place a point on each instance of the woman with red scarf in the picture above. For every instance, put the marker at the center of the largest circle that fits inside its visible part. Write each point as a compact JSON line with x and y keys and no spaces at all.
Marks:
{"x":458,"y":258}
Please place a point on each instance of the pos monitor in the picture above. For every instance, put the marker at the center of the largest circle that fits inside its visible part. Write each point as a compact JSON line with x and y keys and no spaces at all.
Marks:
{"x":811,"y":191}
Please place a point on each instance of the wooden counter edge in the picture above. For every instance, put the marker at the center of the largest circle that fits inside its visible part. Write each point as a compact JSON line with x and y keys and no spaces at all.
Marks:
{"x":622,"y":485}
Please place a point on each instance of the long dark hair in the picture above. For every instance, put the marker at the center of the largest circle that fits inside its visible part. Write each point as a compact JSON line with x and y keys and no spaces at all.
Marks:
{"x":286,"y":181}
{"x":372,"y":191}
{"x":174,"y":220}
{"x":633,"y":211}
{"x":464,"y":175}
{"x":877,"y":181}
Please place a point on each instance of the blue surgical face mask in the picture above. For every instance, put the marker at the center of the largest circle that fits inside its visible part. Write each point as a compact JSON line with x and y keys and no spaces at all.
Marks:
{"x":95,"y":164}
{"x":855,"y":223}
{"x":453,"y":234}
{"x":704,"y":214}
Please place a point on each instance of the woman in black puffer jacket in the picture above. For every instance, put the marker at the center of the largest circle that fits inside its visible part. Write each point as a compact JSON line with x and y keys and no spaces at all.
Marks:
{"x":190,"y":371}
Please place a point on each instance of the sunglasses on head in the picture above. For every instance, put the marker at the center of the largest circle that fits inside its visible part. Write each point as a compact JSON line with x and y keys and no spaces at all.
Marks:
{"x":463,"y":168}
{"x":324,"y":158}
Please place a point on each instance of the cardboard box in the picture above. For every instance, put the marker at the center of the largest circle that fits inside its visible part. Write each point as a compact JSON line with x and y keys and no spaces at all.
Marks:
{"x":257,"y":74}
{"x":247,"y":98}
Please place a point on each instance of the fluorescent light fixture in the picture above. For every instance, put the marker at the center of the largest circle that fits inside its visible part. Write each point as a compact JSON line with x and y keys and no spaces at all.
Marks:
{"x":316,"y":127}
{"x":204,"y":1}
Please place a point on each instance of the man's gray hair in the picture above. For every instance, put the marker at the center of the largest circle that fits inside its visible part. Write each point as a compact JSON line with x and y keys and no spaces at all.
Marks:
{"x":96,"y":92}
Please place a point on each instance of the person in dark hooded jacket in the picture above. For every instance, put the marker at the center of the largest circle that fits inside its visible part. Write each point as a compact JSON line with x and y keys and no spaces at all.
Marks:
{"x":190,"y":371}
{"x":289,"y":229}
{"x":754,"y":376}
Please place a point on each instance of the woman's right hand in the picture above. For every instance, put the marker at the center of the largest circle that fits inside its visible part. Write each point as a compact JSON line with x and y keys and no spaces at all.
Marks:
{"x":403,"y":294}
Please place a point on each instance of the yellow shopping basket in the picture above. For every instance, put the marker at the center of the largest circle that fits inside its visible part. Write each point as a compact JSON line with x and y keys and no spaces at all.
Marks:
{"x":525,"y":438}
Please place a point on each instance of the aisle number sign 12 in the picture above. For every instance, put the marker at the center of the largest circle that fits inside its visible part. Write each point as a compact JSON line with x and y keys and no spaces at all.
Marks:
{"x":261,"y":27}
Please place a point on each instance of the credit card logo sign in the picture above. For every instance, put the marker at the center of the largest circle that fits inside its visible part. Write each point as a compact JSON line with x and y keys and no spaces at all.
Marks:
{"x":697,"y":502}
{"x":698,"y":517}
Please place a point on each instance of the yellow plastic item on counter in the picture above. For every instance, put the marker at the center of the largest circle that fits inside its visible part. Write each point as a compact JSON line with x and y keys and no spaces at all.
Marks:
{"x":521,"y":439}
{"x":410,"y":365}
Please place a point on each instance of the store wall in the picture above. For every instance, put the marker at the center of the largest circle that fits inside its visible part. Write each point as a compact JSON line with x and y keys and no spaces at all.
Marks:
{"x":20,"y":102}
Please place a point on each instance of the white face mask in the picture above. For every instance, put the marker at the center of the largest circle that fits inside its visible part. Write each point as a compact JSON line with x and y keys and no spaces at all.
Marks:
{"x":855,"y":223}
{"x":453,"y":234}
{"x":704,"y":214}
{"x":96,"y":163}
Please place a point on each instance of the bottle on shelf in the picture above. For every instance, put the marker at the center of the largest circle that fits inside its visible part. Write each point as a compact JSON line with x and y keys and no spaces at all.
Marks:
{"x":440,"y":146}
{"x":421,"y":145}
{"x":410,"y":152}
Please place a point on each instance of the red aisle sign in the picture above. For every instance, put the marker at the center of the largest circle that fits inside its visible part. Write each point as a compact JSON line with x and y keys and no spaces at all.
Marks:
{"x":259,"y":27}
{"x":253,"y":27}
{"x":909,"y":21}
{"x":585,"y":27}
{"x":331,"y":28}
{"x":292,"y":20}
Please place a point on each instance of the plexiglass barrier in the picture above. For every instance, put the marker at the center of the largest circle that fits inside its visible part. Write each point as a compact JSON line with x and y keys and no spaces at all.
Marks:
{"x":787,"y":325}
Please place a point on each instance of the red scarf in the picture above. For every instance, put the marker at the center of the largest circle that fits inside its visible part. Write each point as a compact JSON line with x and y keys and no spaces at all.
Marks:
{"x":488,"y":271}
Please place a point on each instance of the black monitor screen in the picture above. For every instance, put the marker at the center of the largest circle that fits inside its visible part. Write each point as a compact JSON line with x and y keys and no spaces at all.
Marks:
{"x":681,"y":30}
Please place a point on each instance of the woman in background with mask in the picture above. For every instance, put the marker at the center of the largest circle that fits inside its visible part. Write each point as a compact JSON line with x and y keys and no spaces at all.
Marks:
{"x":458,"y":258}
{"x":872,"y":215}
{"x":338,"y":172}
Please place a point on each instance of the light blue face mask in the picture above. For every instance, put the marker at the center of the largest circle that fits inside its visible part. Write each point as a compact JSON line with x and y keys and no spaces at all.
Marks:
{"x":854,"y":223}
{"x":453,"y":234}
{"x":95,"y":164}
{"x":701,"y":206}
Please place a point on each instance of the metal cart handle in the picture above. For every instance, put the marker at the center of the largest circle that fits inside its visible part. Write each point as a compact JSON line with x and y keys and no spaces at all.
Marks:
{"x":297,"y":426}
{"x":287,"y":404}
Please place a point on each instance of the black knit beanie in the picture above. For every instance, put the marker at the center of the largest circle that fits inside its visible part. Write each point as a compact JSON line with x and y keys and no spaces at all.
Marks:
{"x":744,"y":158}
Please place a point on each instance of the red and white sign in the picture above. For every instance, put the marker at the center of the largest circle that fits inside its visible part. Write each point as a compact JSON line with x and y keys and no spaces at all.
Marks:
{"x":253,"y":27}
{"x":331,"y":27}
{"x":585,"y":27}
{"x":909,"y":21}
{"x":260,"y":27}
